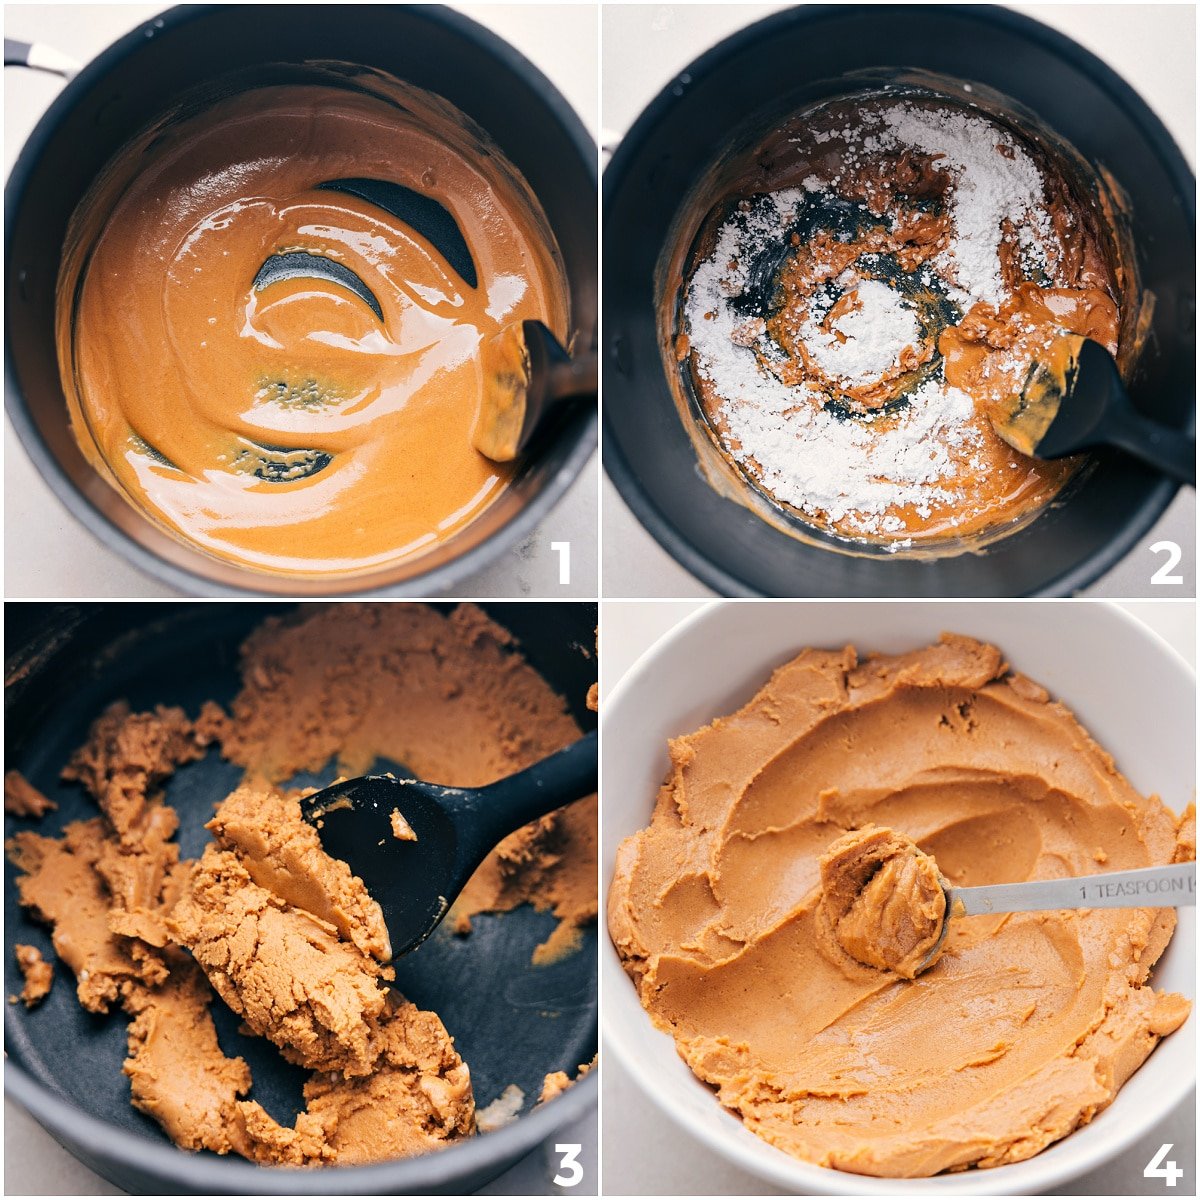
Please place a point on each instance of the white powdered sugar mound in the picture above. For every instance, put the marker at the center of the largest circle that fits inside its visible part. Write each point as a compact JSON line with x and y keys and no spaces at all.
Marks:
{"x":875,"y":334}
{"x":712,"y":321}
{"x":995,"y":181}
{"x":852,"y":470}
{"x":843,"y":470}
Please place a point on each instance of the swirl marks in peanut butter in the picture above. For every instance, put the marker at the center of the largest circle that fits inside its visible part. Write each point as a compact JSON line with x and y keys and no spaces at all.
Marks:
{"x":279,"y":308}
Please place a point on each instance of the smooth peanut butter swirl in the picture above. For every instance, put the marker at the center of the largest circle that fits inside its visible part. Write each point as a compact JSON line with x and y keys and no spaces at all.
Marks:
{"x":273,"y":315}
{"x":883,"y":898}
{"x":1027,"y":1025}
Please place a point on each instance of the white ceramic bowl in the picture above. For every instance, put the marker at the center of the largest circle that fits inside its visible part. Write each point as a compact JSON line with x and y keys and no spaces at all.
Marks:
{"x":1127,"y":687}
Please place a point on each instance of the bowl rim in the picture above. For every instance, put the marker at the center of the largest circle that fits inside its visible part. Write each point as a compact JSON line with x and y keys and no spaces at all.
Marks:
{"x":627,"y":481}
{"x":760,"y":1158}
{"x":102,"y":1142}
{"x":432,"y":581}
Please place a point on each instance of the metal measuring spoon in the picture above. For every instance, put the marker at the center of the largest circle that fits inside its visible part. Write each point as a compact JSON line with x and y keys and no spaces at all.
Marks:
{"x":1144,"y":887}
{"x":416,"y":864}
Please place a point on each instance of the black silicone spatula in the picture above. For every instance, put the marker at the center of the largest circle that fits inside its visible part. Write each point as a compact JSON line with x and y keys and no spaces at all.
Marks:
{"x":1075,"y":400}
{"x":416,"y":878}
{"x":526,"y":375}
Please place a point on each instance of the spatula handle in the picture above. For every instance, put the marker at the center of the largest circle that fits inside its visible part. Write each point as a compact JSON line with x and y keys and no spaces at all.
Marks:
{"x":1166,"y":450}
{"x":565,"y":776}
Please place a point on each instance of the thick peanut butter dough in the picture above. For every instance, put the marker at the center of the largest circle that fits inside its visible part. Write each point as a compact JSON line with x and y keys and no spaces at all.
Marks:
{"x":558,"y":1082}
{"x":446,"y":697}
{"x":883,"y":900}
{"x":283,"y":933}
{"x":1029,"y":1023}
{"x":62,"y":886}
{"x":38,"y":974}
{"x":178,"y":1073}
{"x":275,"y":955}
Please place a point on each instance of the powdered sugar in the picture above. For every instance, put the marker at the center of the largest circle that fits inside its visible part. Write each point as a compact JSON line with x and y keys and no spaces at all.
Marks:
{"x":874,"y":335}
{"x":852,"y":471}
{"x":996,"y":182}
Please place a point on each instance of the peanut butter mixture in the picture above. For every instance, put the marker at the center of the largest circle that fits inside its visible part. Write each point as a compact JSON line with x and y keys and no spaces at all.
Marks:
{"x":290,"y":941}
{"x":883,"y":900}
{"x":38,"y":973}
{"x":286,"y":935}
{"x":872,"y":289}
{"x":22,"y":799}
{"x":558,"y":1082}
{"x":1027,"y":1025}
{"x":274,"y":322}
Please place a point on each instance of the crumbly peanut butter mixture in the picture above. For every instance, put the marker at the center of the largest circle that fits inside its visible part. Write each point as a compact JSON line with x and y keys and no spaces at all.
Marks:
{"x":1028,"y":1024}
{"x":558,"y":1082}
{"x":38,"y":974}
{"x":22,"y":799}
{"x":286,"y":935}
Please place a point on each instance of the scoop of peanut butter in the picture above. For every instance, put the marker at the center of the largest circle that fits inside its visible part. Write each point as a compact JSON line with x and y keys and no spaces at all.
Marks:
{"x":883,"y":898}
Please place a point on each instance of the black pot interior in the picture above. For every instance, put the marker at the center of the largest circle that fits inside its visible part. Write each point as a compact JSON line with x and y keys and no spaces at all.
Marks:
{"x":512,"y":1022}
{"x":143,"y":76}
{"x":818,"y":52}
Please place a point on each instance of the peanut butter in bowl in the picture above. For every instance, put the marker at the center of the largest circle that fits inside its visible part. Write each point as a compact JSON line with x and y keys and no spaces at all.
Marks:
{"x":1022,"y":1031}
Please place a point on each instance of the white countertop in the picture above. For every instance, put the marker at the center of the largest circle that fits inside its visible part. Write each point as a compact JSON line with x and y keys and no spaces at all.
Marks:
{"x":47,"y":553}
{"x":1153,"y":46}
{"x":645,"y":1153}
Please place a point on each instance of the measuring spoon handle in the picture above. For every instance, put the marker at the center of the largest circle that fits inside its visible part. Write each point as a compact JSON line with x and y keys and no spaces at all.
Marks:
{"x":1146,"y":887}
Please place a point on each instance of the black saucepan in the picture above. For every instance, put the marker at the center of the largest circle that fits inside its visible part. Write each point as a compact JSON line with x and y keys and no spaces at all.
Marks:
{"x":143,"y":76}
{"x":815,"y":52}
{"x":512,"y":1022}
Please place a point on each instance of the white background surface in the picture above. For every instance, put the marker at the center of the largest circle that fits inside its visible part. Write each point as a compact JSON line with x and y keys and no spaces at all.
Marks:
{"x":645,"y":1153}
{"x":46,"y":552}
{"x":645,"y":45}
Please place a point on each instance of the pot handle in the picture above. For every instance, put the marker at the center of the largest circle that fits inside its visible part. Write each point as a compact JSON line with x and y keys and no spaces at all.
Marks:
{"x":39,"y":57}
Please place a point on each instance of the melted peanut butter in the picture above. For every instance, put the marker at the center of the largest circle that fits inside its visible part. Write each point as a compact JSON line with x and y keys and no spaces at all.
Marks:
{"x":1027,"y":1025}
{"x":275,"y":363}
